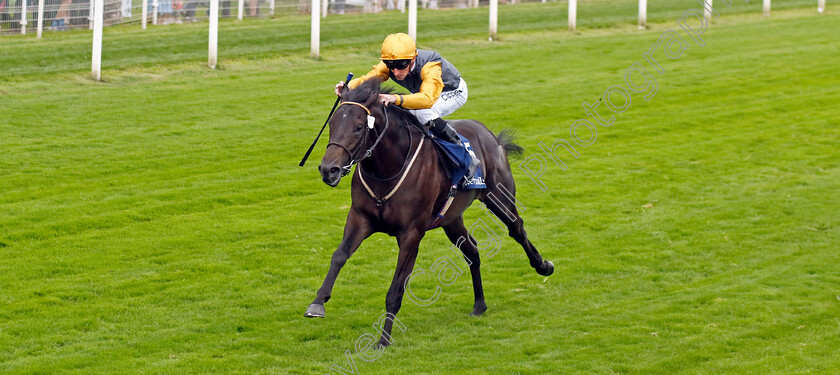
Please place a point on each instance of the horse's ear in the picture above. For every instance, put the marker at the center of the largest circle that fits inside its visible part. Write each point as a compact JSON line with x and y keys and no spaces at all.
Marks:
{"x":374,"y":96}
{"x":345,"y":89}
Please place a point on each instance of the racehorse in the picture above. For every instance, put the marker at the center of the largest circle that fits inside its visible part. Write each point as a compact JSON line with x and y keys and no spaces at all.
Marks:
{"x":400,"y":188}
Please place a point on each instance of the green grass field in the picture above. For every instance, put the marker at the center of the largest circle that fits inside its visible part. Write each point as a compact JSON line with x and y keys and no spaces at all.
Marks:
{"x":158,"y":222}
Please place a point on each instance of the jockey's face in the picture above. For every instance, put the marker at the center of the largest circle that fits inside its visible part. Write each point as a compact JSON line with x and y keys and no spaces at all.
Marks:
{"x":402,"y":73}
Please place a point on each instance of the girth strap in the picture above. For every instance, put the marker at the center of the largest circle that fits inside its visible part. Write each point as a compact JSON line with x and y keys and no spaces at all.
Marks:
{"x":449,"y":198}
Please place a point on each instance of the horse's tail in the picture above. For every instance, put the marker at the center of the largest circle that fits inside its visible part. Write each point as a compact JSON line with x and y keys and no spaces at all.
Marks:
{"x":506,"y":138}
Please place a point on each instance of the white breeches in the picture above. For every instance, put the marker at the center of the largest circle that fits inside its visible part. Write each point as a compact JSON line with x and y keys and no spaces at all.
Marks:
{"x":447,"y":103}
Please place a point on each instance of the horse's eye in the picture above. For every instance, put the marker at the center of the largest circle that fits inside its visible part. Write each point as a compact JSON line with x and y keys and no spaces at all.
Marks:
{"x":359,"y":128}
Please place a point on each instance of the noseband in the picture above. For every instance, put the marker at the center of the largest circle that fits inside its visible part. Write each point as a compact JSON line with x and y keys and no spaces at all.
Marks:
{"x":345,"y":170}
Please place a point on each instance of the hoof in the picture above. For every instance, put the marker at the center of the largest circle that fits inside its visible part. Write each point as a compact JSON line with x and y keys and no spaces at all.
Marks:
{"x":546,"y":269}
{"x":383,"y":343}
{"x":315,"y":311}
{"x":478,"y":310}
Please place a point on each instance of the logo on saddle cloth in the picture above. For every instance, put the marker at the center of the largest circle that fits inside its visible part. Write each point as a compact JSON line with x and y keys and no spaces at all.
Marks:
{"x":459,"y":158}
{"x":477,"y":182}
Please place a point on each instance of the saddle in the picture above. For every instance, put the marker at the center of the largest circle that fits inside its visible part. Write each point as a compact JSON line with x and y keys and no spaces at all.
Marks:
{"x":454,"y":160}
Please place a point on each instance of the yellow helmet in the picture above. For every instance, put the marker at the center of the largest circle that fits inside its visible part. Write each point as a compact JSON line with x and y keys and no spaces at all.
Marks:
{"x":398,"y":47}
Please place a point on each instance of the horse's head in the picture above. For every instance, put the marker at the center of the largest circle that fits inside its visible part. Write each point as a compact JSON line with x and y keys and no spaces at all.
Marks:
{"x":349,"y":130}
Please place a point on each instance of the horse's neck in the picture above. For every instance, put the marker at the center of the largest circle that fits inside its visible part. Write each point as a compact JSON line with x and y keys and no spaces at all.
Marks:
{"x":388,"y":157}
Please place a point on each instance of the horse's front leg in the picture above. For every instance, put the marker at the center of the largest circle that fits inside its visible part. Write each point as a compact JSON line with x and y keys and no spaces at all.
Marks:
{"x":356,"y":230}
{"x":409,"y":243}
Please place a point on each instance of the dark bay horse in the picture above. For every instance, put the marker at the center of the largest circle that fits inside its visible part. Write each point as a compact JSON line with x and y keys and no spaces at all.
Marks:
{"x":399,"y":187}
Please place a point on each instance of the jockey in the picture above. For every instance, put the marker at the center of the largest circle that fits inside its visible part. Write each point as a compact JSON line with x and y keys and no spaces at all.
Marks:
{"x":436,"y":87}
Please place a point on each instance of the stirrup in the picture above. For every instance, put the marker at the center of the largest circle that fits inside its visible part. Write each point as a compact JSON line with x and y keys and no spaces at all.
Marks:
{"x":474,"y":162}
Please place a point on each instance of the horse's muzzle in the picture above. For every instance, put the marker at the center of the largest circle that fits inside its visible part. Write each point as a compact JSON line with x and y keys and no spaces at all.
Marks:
{"x":330,"y":174}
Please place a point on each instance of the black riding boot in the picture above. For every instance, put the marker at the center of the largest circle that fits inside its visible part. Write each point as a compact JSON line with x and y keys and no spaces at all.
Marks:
{"x":441,"y":129}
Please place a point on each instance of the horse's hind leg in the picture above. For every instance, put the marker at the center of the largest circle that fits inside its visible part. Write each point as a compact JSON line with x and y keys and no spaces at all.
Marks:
{"x":462,"y":239}
{"x":501,"y":202}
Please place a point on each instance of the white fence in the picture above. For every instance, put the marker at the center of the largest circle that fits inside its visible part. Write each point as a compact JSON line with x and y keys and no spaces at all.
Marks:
{"x":18,"y":16}
{"x":21,"y":16}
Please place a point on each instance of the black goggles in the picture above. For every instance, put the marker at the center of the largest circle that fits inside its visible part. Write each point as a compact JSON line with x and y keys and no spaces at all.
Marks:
{"x":397,"y":64}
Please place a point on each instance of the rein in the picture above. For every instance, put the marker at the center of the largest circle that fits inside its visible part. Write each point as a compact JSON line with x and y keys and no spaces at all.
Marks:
{"x":379,"y":202}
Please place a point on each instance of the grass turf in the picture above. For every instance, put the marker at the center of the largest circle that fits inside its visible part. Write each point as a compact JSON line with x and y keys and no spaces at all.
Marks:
{"x":159,"y":223}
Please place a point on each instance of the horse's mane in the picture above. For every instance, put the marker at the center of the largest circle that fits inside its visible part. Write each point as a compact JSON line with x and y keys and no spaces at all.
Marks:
{"x":364,"y":91}
{"x":371,"y":87}
{"x":405,"y":116}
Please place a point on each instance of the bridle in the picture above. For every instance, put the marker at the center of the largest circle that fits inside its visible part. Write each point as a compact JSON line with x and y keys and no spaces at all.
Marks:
{"x":354,"y":159}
